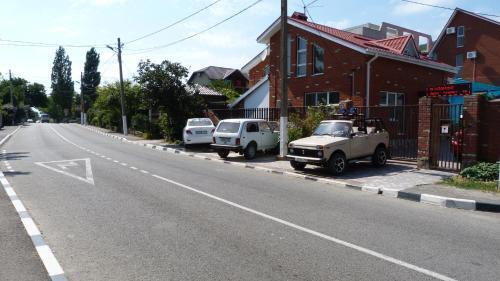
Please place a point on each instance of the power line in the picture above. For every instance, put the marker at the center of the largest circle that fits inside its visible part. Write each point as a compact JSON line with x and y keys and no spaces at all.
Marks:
{"x":145,"y":50}
{"x":445,"y":8}
{"x":174,"y":23}
{"x":20,"y":43}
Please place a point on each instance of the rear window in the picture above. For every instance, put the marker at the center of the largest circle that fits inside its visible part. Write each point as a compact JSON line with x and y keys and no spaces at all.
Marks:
{"x":200,"y":122}
{"x":228,"y":127}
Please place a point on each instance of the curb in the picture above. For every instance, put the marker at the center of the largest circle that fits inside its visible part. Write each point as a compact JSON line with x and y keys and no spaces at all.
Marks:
{"x":446,"y":202}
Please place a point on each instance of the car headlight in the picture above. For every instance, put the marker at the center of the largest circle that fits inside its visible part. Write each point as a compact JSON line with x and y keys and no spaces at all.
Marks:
{"x":290,"y":150}
{"x":320,"y":153}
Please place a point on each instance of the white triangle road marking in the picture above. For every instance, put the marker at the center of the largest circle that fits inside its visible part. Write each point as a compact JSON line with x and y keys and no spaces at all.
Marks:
{"x":64,"y":164}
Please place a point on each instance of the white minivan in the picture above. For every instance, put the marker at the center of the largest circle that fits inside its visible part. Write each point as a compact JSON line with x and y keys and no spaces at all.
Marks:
{"x":245,"y":136}
{"x":198,"y":131}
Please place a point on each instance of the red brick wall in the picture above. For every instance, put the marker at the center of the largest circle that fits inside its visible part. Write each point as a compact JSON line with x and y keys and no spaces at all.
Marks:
{"x":480,"y":36}
{"x":489,"y":133}
{"x":340,"y":62}
{"x":257,"y":72}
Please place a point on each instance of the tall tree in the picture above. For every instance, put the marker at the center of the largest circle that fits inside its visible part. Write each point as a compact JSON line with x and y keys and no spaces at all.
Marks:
{"x":62,"y":84}
{"x":91,"y":77}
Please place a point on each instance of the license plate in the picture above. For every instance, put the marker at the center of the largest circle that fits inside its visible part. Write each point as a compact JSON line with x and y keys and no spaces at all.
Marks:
{"x":300,"y":160}
{"x":201,"y":132}
{"x":225,"y":140}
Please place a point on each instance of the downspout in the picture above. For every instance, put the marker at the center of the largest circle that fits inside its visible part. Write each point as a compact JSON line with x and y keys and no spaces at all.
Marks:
{"x":368,"y":76}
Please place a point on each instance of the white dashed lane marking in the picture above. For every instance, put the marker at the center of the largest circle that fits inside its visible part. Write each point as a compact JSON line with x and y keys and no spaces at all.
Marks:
{"x":144,"y":172}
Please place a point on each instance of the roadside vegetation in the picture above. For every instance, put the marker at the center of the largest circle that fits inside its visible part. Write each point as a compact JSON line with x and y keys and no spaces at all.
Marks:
{"x":481,"y":176}
{"x":301,"y":126}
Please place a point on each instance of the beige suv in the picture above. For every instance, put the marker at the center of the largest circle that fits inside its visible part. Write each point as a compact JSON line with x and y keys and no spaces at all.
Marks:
{"x":334,"y":143}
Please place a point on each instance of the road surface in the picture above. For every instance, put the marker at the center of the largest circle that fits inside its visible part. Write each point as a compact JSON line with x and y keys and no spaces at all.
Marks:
{"x":116,"y":211}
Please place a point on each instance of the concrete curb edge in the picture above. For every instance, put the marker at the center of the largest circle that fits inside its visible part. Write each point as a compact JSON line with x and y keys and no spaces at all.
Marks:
{"x":446,"y":202}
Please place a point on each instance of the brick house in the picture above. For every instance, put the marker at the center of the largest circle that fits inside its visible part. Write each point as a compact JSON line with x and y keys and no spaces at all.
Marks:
{"x":326,"y":65}
{"x":471,"y":43}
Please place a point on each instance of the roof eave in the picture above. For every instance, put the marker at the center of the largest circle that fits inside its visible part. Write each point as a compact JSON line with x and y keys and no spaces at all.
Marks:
{"x":420,"y":62}
{"x":266,"y":35}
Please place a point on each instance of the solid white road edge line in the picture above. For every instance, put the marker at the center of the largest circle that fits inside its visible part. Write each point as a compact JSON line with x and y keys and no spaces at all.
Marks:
{"x":50,"y":262}
{"x":314,"y":233}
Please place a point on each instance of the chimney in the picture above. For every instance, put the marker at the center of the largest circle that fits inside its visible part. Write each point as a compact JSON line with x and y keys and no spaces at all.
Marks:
{"x":299,"y":16}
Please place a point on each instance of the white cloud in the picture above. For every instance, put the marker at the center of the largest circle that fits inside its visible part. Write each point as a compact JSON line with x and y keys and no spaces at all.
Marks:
{"x":340,"y":24}
{"x":406,"y":8}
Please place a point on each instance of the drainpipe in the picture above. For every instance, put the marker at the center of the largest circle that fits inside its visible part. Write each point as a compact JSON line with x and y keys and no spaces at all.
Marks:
{"x":368,"y":76}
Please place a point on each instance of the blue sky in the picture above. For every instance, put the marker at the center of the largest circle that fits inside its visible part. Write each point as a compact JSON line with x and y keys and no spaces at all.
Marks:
{"x":100,"y":22}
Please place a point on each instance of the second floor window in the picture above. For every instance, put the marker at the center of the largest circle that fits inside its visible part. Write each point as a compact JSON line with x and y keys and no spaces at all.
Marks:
{"x":321,"y":98}
{"x":460,"y":36}
{"x":459,"y":62}
{"x":318,"y":60}
{"x":301,"y":56}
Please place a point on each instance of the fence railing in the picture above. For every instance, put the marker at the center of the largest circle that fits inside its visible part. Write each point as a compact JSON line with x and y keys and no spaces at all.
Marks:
{"x":401,"y":123}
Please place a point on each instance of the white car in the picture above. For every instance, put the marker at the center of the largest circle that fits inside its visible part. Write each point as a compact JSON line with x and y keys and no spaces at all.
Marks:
{"x":198,"y":131}
{"x":245,"y":136}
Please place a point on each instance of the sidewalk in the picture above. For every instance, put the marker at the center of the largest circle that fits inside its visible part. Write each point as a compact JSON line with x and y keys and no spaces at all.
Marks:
{"x":397,"y":179}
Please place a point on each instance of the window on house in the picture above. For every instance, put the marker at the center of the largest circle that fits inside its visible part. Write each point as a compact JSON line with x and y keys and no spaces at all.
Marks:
{"x":266,"y":71}
{"x":289,"y":55}
{"x":318,"y":60}
{"x":301,"y":56}
{"x":459,"y":62}
{"x":391,"y":32}
{"x":396,"y":100}
{"x":321,"y":98}
{"x":460,"y":36}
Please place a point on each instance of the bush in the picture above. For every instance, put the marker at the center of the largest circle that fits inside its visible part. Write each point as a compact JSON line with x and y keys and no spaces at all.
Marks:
{"x":481,"y":172}
{"x":165,"y":128}
{"x":300,"y":127}
{"x":139,"y":122}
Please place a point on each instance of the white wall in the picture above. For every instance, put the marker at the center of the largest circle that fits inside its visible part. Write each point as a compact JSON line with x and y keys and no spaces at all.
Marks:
{"x":259,"y":98}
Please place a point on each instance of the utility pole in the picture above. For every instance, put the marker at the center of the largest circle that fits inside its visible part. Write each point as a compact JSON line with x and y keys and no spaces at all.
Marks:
{"x":283,"y":81}
{"x":124,"y":117}
{"x":82,"y":122}
{"x":12,"y":98}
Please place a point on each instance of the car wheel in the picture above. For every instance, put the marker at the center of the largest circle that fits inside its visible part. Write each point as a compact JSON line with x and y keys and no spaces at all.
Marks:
{"x":379,"y":158}
{"x":299,"y":166}
{"x":250,"y":151}
{"x":223,"y":153}
{"x":276,"y":149}
{"x":337,"y":163}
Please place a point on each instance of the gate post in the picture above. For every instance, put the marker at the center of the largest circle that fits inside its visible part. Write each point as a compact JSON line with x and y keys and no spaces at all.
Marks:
{"x":471,"y":123}
{"x":424,"y":132}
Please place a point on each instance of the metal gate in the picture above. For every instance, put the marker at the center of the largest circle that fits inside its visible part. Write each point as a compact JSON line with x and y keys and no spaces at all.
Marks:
{"x":446,"y":136}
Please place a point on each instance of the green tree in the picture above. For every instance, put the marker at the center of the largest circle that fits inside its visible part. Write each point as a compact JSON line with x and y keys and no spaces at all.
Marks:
{"x":224,"y":88}
{"x":106,"y":110}
{"x":62,"y":84}
{"x":164,"y":90}
{"x":91,"y":77}
{"x":35,"y":95}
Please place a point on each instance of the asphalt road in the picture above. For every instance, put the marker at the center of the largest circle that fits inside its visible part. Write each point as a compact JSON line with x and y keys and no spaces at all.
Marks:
{"x":141,"y":214}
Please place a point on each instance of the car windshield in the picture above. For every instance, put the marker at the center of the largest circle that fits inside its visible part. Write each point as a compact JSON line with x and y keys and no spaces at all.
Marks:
{"x":336,"y":129}
{"x":200,"y":122}
{"x":228,"y":127}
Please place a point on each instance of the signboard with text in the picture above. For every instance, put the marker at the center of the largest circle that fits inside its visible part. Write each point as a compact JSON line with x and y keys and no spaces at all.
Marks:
{"x":449,"y":90}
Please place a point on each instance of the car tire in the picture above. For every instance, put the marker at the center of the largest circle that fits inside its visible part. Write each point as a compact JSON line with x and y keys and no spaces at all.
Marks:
{"x":250,"y":151}
{"x":223,"y":153}
{"x":379,"y":158}
{"x":299,"y":166}
{"x":337,"y":164}
{"x":276,"y":149}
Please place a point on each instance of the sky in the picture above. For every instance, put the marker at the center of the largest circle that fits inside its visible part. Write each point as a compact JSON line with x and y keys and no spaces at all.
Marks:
{"x":231,"y":44}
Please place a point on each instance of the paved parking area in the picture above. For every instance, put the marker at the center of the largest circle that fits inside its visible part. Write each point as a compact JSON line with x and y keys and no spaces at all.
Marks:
{"x":395,"y":175}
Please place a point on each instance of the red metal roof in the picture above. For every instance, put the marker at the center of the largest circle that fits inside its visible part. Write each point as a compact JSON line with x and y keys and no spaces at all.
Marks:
{"x":393,"y":45}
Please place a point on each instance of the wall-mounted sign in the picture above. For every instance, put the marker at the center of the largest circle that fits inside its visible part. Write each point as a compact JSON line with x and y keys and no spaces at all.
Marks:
{"x":449,"y":90}
{"x":444,"y":129}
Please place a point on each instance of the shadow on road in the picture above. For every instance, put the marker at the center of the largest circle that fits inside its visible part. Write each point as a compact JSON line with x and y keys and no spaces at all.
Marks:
{"x":10,"y":156}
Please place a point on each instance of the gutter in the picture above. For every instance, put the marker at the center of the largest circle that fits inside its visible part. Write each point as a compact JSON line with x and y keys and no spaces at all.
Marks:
{"x":368,"y":76}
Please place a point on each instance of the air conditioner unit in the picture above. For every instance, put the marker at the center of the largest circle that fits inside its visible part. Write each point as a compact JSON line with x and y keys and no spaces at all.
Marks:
{"x":472,"y":55}
{"x":450,"y":30}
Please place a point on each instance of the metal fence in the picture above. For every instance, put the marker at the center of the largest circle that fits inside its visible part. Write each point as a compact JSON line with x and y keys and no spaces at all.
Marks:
{"x":400,"y":121}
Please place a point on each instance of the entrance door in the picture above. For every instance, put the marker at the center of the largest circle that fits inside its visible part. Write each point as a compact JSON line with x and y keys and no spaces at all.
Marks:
{"x":447,"y":136}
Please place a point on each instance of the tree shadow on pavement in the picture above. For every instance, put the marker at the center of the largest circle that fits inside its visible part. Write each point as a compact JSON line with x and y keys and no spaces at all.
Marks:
{"x":10,"y":156}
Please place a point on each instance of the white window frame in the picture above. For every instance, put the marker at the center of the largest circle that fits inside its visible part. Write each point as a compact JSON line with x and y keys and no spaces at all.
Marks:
{"x":393,"y":117}
{"x":314,"y":59}
{"x":460,"y":37}
{"x":316,"y":97}
{"x":299,"y":52}
{"x":289,"y":55}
